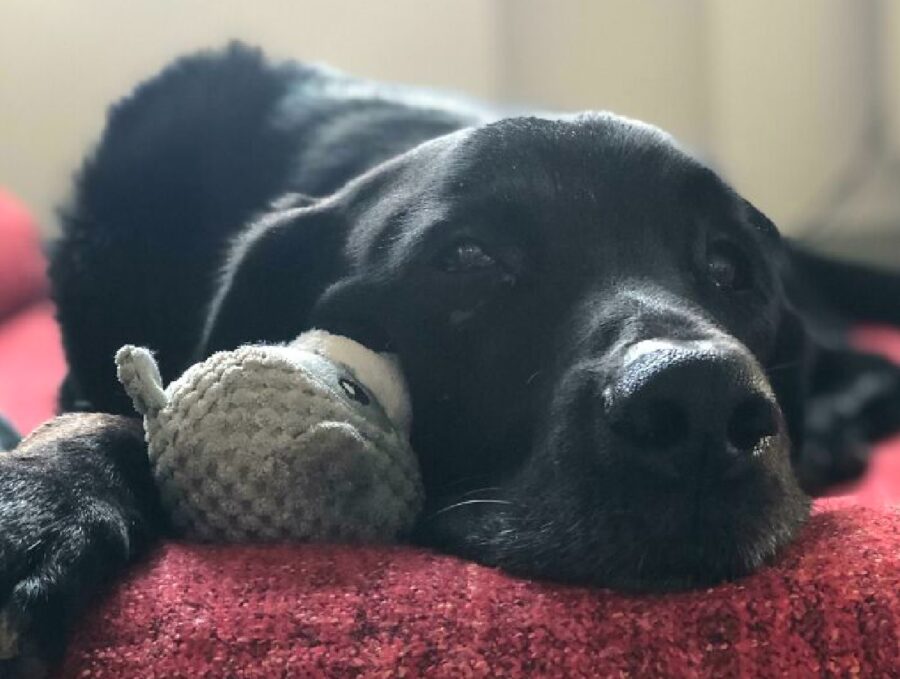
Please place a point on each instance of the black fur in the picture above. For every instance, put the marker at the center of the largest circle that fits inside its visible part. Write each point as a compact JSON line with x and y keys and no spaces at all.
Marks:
{"x":76,"y":508}
{"x":595,"y":233}
{"x":9,"y":437}
{"x":167,"y":187}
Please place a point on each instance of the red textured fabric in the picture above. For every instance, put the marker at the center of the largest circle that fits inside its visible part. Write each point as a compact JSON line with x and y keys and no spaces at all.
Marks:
{"x":22,"y":262}
{"x":829,"y":607}
{"x":879,"y":339}
{"x":31,"y":366}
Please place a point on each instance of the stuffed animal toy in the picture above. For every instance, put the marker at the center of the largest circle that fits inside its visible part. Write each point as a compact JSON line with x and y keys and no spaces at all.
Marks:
{"x":304,"y":441}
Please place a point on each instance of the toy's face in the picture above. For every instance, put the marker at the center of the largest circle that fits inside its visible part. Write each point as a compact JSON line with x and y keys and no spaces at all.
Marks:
{"x":273,"y":443}
{"x":344,"y":395}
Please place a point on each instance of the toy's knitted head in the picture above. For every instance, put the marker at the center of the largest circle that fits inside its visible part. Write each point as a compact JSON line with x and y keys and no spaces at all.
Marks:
{"x":305,"y":441}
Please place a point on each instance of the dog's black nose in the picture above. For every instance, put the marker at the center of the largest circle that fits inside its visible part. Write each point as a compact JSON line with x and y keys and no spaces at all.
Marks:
{"x":679,"y":406}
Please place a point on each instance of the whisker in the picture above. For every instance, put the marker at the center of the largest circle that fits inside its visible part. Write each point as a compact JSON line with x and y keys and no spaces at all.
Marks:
{"x":783,"y":366}
{"x":532,"y":377}
{"x":479,"y":490}
{"x":465,"y":503}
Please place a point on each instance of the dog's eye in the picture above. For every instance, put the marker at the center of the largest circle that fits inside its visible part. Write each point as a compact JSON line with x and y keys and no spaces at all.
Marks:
{"x":727,"y":267}
{"x":464,"y":256}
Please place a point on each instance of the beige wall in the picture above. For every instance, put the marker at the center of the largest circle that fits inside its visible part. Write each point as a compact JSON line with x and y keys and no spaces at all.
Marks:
{"x":891,"y":58}
{"x":642,"y":58}
{"x":774,"y":92}
{"x":63,"y":61}
{"x":788,"y":97}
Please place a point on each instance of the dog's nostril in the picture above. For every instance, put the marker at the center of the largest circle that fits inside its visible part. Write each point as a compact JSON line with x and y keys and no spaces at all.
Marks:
{"x":751,"y":421}
{"x":656,"y":424}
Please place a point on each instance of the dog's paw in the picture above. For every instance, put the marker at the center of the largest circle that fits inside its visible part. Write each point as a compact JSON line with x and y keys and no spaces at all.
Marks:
{"x":71,"y":518}
{"x":53,"y":558}
{"x":855,"y":403}
{"x":840,"y":427}
{"x":834,"y":452}
{"x":9,"y":637}
{"x":18,"y":658}
{"x":39,"y":591}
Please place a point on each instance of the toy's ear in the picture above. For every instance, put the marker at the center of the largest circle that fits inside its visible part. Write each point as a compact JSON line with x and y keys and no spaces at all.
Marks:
{"x":273,"y":276}
{"x":138,"y":372}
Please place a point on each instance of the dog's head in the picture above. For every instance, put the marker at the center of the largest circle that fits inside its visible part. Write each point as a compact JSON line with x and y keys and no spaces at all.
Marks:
{"x":606,"y":377}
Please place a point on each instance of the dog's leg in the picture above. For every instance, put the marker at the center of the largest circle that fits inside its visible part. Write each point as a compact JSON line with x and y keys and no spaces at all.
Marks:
{"x":854,"y":401}
{"x":77,"y":503}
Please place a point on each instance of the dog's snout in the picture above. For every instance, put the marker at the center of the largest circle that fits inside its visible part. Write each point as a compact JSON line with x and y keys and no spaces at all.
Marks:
{"x":677,"y":406}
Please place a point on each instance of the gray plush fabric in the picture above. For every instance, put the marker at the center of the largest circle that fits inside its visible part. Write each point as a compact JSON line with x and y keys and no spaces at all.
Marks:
{"x":271,"y":443}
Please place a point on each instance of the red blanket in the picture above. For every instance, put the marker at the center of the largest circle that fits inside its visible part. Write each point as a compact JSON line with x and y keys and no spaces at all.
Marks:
{"x":830,"y":607}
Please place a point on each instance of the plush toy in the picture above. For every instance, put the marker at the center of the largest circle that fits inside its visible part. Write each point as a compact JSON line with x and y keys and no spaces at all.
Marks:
{"x":304,"y":441}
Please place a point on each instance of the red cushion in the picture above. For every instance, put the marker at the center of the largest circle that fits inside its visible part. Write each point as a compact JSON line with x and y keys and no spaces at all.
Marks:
{"x":830,"y":606}
{"x":31,"y":366}
{"x":22,"y":262}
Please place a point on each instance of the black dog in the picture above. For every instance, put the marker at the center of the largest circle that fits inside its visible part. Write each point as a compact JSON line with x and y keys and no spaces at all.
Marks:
{"x":618,"y":368}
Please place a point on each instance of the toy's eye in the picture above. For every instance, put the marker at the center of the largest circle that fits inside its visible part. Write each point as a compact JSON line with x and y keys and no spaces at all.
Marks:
{"x":354,"y":391}
{"x":728,"y":268}
{"x":464,"y":256}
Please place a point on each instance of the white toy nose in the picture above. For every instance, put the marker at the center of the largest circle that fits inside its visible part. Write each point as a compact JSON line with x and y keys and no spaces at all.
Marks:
{"x":379,"y":373}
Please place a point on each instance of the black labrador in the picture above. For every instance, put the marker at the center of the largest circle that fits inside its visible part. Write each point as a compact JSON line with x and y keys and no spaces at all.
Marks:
{"x":621,"y":374}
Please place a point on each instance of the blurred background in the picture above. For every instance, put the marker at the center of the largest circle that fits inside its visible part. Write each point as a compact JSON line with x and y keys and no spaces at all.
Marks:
{"x":797,"y":103}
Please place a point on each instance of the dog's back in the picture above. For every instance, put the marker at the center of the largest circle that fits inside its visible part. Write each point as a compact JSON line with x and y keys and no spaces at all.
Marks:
{"x":184,"y":163}
{"x":193,"y":154}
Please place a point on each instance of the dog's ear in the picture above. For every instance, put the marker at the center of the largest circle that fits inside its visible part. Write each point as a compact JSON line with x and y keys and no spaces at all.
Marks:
{"x":273,"y":277}
{"x":840,"y":292}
